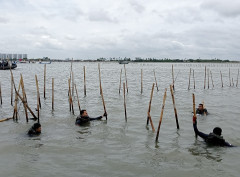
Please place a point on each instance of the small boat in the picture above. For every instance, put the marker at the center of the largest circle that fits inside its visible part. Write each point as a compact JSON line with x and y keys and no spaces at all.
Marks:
{"x":4,"y":65}
{"x":123,"y":62}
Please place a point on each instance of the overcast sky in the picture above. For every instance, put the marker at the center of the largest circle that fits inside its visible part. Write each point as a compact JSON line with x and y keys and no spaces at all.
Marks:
{"x":85,"y":29}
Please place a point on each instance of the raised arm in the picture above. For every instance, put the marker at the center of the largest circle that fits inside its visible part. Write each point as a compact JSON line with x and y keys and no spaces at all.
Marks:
{"x":201,"y":134}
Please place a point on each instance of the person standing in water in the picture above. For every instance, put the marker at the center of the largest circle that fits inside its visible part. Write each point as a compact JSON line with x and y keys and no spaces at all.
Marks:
{"x":83,"y":118}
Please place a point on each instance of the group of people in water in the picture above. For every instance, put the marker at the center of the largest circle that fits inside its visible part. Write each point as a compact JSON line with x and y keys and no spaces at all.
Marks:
{"x":214,"y":138}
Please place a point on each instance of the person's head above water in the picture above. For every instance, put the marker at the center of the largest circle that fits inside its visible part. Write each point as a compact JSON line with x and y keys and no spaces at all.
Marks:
{"x":83,"y":113}
{"x":217,"y":131}
{"x":37,"y":127}
{"x":200,"y":106}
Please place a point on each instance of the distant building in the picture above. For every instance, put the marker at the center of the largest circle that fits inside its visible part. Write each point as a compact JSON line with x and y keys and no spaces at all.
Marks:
{"x":24,"y":56}
{"x":20,"y":56}
{"x":15,"y":56}
{"x":9,"y":56}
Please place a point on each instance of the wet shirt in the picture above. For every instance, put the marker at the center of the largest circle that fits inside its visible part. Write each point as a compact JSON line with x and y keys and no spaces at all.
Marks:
{"x":33,"y":132}
{"x":83,"y":120}
{"x":204,"y":111}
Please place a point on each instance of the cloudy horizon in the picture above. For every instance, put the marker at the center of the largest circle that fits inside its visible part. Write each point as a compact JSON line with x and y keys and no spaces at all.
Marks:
{"x":129,"y":28}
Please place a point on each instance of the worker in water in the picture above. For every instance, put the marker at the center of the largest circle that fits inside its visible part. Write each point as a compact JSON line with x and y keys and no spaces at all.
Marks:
{"x":35,"y":129}
{"x":214,"y":138}
{"x":201,"y":110}
{"x":83,"y":118}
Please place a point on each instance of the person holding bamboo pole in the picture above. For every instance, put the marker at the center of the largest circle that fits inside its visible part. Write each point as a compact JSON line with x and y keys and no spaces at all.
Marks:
{"x":83,"y":118}
{"x":212,"y":139}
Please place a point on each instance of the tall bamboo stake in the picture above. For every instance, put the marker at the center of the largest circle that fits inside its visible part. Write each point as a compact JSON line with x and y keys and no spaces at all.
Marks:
{"x":221,"y":78}
{"x":212,"y":79}
{"x":189,"y":79}
{"x":124,"y":100}
{"x":141,"y":81}
{"x":78,"y":98}
{"x":174,"y":106}
{"x":44,"y":87}
{"x":205,"y":77}
{"x":85,"y":89}
{"x":232,"y":82}
{"x":38,"y":96}
{"x":70,"y":96}
{"x":194,"y":108}
{"x":15,"y":113}
{"x":149,"y":109}
{"x":155,"y":79}
{"x":237,"y":79}
{"x":104,"y":107}
{"x":193,"y":80}
{"x":72,"y":85}
{"x":161,"y":116}
{"x":126,"y":77}
{"x":229,"y":78}
{"x":52,"y":93}
{"x":173,"y":78}
{"x":120,"y":82}
{"x":100,"y":82}
{"x":11,"y":91}
{"x":0,"y":94}
{"x":22,"y":98}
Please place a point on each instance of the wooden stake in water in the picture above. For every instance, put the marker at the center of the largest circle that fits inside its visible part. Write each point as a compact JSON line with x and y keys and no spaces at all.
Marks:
{"x":44,"y":87}
{"x":221,"y":78}
{"x":205,"y":77}
{"x":155,"y":79}
{"x":232,"y":82}
{"x":173,"y":78}
{"x":174,"y":106}
{"x":24,"y":97}
{"x":208,"y":78}
{"x":11,"y":91}
{"x":120,"y":82}
{"x":70,"y":96}
{"x":52,"y":93}
{"x":212,"y":79}
{"x":15,"y":113}
{"x":161,"y":116}
{"x":0,"y":94}
{"x":78,"y":98}
{"x":104,"y":107}
{"x":149,"y":109}
{"x":237,"y":79}
{"x":38,"y":96}
{"x":194,"y":108}
{"x":230,"y":78}
{"x":72,"y":85}
{"x":100,"y":82}
{"x":126,"y":77}
{"x":189,"y":79}
{"x":141,"y":81}
{"x":193,"y":80}
{"x":124,"y":99}
{"x":85,"y":89}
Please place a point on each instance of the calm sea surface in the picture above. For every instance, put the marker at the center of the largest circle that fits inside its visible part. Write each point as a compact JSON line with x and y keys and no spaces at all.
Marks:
{"x":115,"y":147}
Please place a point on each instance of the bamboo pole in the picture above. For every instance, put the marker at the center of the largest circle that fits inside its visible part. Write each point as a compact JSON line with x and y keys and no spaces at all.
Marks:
{"x":221,"y":78}
{"x":173,"y":78}
{"x":70,"y":96}
{"x":194,"y":108}
{"x":155,"y":79}
{"x":85,"y":89}
{"x":104,"y":107}
{"x":212,"y":79}
{"x":22,"y":98}
{"x":189,"y":79}
{"x":124,"y":99}
{"x":232,"y":82}
{"x":16,"y":101}
{"x":0,"y":94}
{"x":72,"y":85}
{"x":230,"y":78}
{"x":208,"y":77}
{"x":44,"y":87}
{"x":161,"y":116}
{"x":99,"y":74}
{"x":2,"y":120}
{"x":174,"y":106}
{"x":126,"y":77}
{"x":52,"y":93}
{"x":38,"y":96}
{"x":205,"y":77}
{"x":79,"y":107}
{"x":120,"y":82}
{"x":149,"y":110}
{"x":141,"y":81}
{"x":11,"y":91}
{"x":193,"y":80}
{"x":237,"y":79}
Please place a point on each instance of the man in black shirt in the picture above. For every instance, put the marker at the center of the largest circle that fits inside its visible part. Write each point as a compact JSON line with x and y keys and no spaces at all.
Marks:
{"x":201,"y":110}
{"x":83,"y":118}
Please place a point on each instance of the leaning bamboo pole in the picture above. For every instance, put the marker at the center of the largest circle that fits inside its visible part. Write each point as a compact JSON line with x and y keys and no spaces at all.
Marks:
{"x":149,"y":110}
{"x":15,"y":113}
{"x":205,"y":77}
{"x":126,"y":78}
{"x":38,"y":96}
{"x":194,"y":108}
{"x":52,"y":93}
{"x":44,"y":87}
{"x":124,"y":102}
{"x":79,"y":107}
{"x":85,"y":89}
{"x":161,"y":116}
{"x":104,"y":107}
{"x":155,"y":79}
{"x":174,"y":106}
{"x":120,"y":82}
{"x":24,"y":97}
{"x":221,"y":78}
{"x":237,"y":79}
{"x":189,"y":79}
